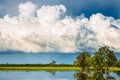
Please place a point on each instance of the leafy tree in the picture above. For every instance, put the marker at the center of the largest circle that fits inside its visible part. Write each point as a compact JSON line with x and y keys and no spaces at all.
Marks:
{"x":98,"y":61}
{"x":82,"y":60}
{"x":110,"y":59}
{"x":104,"y":56}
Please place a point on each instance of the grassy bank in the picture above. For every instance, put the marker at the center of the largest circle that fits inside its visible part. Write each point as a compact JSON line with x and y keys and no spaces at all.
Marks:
{"x":51,"y":68}
{"x":39,"y":68}
{"x":114,"y":69}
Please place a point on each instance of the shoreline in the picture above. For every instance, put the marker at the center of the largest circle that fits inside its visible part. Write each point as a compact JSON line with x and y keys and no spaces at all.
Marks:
{"x":50,"y":68}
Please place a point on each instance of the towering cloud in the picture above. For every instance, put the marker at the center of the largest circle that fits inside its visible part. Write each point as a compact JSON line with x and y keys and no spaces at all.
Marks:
{"x":49,"y":29}
{"x":27,"y":10}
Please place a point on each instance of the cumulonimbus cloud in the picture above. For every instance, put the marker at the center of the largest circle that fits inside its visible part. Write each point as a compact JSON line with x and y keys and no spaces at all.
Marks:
{"x":48,"y":29}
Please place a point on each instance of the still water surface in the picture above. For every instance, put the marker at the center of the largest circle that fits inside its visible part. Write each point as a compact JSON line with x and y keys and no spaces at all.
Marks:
{"x":47,"y":75}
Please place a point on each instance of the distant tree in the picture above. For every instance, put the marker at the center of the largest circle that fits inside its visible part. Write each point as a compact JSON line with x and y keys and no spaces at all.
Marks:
{"x":52,"y":63}
{"x":82,"y":60}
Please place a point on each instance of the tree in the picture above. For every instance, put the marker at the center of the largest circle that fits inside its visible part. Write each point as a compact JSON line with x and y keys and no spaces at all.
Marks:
{"x":110,"y":59}
{"x":117,"y":63}
{"x":82,"y":60}
{"x":98,"y":61}
{"x":104,"y":56}
{"x":52,"y":63}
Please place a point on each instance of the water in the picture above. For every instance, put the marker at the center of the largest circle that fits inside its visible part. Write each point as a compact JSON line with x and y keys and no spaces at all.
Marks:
{"x":36,"y":75}
{"x":46,"y":75}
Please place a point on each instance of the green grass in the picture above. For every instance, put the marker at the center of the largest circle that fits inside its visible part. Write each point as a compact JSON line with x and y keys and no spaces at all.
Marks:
{"x":39,"y":68}
{"x":52,"y":68}
{"x":114,"y":69}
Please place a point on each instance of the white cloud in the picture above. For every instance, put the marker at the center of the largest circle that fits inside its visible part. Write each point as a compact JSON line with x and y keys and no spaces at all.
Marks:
{"x":50,"y":13}
{"x":27,"y":10}
{"x":48,"y":29}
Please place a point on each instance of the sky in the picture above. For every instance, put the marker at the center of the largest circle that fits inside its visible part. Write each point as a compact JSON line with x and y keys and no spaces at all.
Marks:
{"x":74,"y":8}
{"x":44,"y":58}
{"x":59,"y":25}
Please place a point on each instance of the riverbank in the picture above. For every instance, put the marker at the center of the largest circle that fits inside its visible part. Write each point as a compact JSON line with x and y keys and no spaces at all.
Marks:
{"x":39,"y":68}
{"x":51,"y":68}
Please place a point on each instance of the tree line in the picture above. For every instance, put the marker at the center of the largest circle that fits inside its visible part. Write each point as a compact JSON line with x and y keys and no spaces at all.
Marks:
{"x":102,"y":59}
{"x":37,"y":65}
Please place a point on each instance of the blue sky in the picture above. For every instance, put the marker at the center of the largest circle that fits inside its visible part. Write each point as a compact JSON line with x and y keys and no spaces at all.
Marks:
{"x":44,"y":58}
{"x":75,"y":8}
{"x":59,"y":25}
